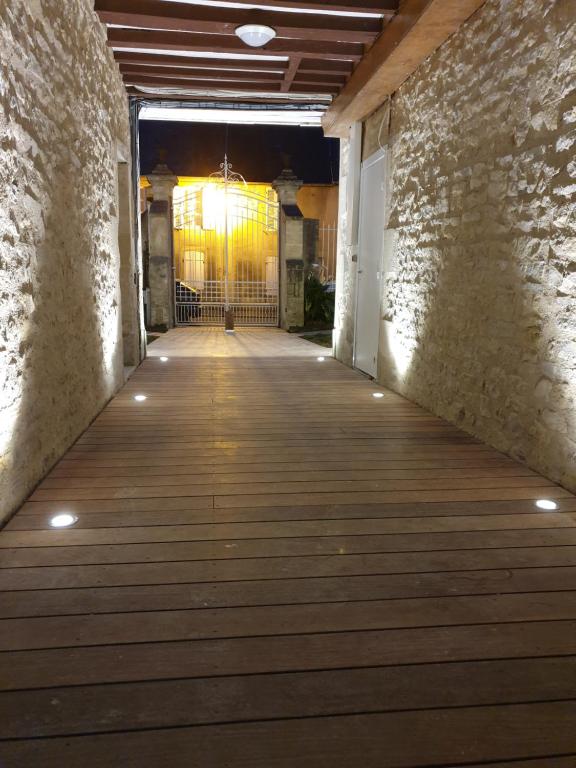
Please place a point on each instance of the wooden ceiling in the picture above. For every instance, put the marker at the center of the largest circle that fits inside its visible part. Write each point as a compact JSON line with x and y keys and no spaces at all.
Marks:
{"x":314,"y":52}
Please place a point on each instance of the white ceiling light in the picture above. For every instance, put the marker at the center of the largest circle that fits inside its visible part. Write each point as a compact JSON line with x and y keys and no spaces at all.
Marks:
{"x":378,"y":394}
{"x":140,"y":398}
{"x":255,"y":35}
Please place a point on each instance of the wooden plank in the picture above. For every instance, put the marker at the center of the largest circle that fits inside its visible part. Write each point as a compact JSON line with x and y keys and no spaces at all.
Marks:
{"x":551,"y":762}
{"x":325,"y":65}
{"x":143,"y":93}
{"x":86,"y":470}
{"x":286,"y":474}
{"x":264,"y":444}
{"x":37,"y":515}
{"x":91,"y":665}
{"x":386,"y":7}
{"x":447,"y":737}
{"x":408,"y":497}
{"x":128,"y":707}
{"x":163,"y":626}
{"x":225,"y":549}
{"x":200,"y":74}
{"x":215,"y":531}
{"x":249,"y":569}
{"x":356,"y":487}
{"x":166,"y":81}
{"x":158,"y":60}
{"x":247,"y":84}
{"x":414,"y":33}
{"x":157,"y":597}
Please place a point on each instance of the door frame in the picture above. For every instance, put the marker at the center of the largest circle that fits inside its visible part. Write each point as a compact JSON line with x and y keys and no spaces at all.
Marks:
{"x":375,"y":157}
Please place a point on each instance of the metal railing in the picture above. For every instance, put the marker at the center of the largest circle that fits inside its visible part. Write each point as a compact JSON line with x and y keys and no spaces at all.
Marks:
{"x":326,"y":256}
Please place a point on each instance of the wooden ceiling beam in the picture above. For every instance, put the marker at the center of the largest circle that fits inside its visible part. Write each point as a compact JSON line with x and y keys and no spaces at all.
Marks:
{"x":251,"y":98}
{"x":159,"y":60}
{"x":178,"y":82}
{"x":319,"y":77}
{"x":326,"y":65}
{"x":385,"y":7}
{"x":229,"y":85}
{"x":200,"y":74}
{"x":189,"y":41}
{"x":414,"y":33}
{"x":205,"y":19}
{"x":304,"y":88}
{"x":291,"y":73}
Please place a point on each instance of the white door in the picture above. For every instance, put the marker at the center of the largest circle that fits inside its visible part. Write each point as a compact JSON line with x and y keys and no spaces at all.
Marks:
{"x":370,"y":239}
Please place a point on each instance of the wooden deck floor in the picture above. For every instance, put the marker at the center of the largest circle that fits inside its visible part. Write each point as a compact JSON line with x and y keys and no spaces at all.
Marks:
{"x":273,"y":569}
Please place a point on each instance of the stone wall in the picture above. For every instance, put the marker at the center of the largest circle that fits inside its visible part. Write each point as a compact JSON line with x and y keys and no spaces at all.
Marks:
{"x":63,"y":128}
{"x":479,"y":315}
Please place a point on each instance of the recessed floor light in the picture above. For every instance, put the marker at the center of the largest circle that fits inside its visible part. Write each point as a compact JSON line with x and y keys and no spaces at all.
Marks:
{"x":140,"y":398}
{"x":64,"y":520}
{"x":163,"y":359}
{"x":377,"y":394}
{"x":228,"y":330}
{"x":320,"y":359}
{"x":546,"y":504}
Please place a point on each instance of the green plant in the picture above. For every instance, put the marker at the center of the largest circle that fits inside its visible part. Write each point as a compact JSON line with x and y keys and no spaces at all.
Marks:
{"x":318,"y":302}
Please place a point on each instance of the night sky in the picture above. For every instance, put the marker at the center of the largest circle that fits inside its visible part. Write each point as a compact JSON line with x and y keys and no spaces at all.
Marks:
{"x":258,"y":152}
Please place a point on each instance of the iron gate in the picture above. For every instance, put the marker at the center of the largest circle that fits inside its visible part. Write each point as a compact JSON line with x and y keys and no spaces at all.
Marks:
{"x":225,"y":254}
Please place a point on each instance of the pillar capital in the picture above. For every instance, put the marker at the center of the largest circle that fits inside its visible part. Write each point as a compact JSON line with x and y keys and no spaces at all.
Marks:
{"x":162,"y":181}
{"x":287,"y":186}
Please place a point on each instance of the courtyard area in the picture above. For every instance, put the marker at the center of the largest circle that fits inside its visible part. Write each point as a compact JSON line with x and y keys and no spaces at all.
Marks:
{"x":270,"y":566}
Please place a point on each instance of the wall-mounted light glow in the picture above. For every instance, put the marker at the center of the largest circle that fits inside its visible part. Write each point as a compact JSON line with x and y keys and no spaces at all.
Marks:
{"x":255,"y":35}
{"x":546,"y":504}
{"x":164,"y":359}
{"x":378,"y":394}
{"x":140,"y":398}
{"x":320,"y":359}
{"x":65,"y":520}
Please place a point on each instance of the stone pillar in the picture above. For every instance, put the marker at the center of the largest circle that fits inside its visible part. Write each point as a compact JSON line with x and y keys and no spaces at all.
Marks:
{"x":160,"y":275}
{"x":291,"y":236}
